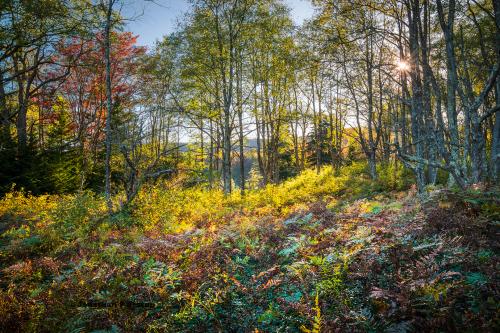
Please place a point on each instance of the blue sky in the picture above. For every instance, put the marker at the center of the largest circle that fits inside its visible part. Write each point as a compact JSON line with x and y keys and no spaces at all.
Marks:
{"x":158,"y":20}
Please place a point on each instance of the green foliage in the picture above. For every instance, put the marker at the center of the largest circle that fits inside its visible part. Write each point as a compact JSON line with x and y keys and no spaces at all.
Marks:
{"x":476,"y":278}
{"x":394,"y":176}
{"x":175,"y":209}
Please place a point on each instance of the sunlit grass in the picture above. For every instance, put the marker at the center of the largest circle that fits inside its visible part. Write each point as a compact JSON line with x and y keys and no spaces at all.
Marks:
{"x":169,"y":209}
{"x":176,"y":210}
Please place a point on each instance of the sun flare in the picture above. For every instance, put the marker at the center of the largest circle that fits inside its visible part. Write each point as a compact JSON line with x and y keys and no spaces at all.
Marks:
{"x":402,"y":66}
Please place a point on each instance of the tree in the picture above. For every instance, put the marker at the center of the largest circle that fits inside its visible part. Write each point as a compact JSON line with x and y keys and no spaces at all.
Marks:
{"x":109,"y":99}
{"x":85,"y":90}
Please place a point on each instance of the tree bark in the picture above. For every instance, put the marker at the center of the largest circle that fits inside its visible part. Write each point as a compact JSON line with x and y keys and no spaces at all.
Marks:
{"x":109,"y":104}
{"x":416,"y":102}
{"x":5,"y":114}
{"x":495,"y":141}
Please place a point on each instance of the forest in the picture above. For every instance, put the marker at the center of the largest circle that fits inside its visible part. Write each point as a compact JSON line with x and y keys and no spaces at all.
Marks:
{"x":249,"y":172}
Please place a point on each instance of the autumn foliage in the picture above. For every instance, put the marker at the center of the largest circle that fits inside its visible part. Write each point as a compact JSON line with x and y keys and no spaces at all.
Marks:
{"x":84,"y":89}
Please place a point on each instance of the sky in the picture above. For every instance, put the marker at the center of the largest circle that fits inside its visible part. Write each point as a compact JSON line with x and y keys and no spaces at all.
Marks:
{"x":156,"y":19}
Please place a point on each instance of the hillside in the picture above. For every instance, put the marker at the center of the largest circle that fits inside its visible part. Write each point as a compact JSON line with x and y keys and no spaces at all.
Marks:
{"x":249,"y":166}
{"x":318,"y":253}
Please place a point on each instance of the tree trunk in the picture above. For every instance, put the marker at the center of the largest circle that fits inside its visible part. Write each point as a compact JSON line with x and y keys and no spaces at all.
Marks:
{"x":416,"y":102}
{"x":21,"y":118}
{"x":430,"y":145}
{"x":211,"y":157}
{"x":240,"y":127}
{"x":495,"y":140}
{"x":226,"y":151}
{"x":451,"y":87}
{"x":5,"y":114}
{"x":316,"y":124}
{"x":109,"y":104}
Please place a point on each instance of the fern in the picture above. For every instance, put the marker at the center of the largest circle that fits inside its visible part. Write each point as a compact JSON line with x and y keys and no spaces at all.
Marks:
{"x":316,"y":325}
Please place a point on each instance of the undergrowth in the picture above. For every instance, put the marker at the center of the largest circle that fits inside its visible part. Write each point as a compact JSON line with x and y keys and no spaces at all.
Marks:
{"x":318,"y":253}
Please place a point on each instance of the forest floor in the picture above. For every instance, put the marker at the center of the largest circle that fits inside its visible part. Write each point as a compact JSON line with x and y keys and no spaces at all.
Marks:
{"x":339,"y":260}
